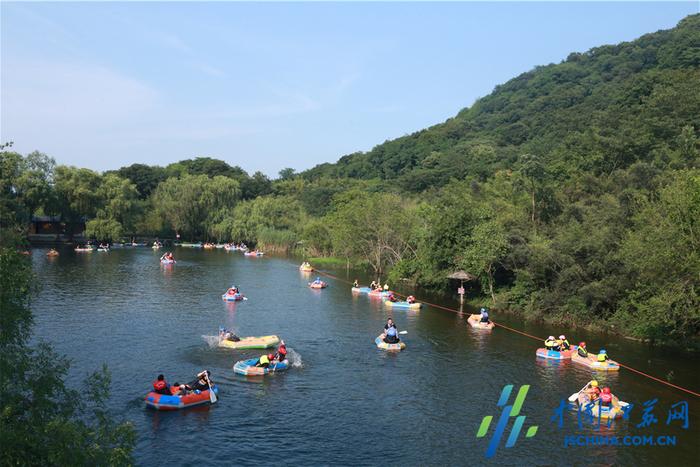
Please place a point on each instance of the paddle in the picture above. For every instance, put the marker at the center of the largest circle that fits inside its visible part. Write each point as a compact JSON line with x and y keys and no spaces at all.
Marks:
{"x":212,"y":395}
{"x":574,"y":396}
{"x":403,"y":332}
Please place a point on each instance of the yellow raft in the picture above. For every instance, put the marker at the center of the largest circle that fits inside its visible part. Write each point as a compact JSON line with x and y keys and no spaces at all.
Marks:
{"x":592,"y":362}
{"x":613,"y":411}
{"x":262,"y":342}
{"x":403,"y":305}
{"x":399,"y":346}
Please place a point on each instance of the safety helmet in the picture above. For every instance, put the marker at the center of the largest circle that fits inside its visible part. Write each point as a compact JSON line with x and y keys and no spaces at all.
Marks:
{"x":582,"y":344}
{"x":594,"y":383}
{"x":602,"y":351}
{"x":483,"y":309}
{"x":270,"y":356}
{"x":550,"y":338}
{"x":562,"y":336}
{"x":606,"y":390}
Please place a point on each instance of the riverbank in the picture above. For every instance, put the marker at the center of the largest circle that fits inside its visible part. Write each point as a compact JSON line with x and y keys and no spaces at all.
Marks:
{"x":561,"y":321}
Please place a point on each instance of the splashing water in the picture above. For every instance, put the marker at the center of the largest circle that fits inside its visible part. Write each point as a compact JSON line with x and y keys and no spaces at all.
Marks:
{"x":294,"y":358}
{"x":212,"y":341}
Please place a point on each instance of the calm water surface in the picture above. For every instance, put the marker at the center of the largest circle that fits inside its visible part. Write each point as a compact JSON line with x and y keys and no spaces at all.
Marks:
{"x":345,"y":402}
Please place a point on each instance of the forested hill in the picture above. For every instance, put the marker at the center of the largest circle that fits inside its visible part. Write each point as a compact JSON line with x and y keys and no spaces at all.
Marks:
{"x":596,"y":111}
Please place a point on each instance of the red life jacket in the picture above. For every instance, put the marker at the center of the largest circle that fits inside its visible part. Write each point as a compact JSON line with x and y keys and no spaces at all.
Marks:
{"x":282,"y":351}
{"x":159,"y":385}
{"x":606,"y":398}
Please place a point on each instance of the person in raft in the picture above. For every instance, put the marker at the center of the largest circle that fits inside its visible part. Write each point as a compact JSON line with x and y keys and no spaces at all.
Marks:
{"x":160,"y":386}
{"x":391,"y":334}
{"x":563,"y":343}
{"x":264,"y":361}
{"x":225,"y":334}
{"x":355,"y":284}
{"x":606,"y":397}
{"x":373,"y":285}
{"x":200,"y":384}
{"x":592,"y":391}
{"x":551,"y":344}
{"x":582,"y":350}
{"x":485,"y":316}
{"x":317,"y":281}
{"x":233,"y":290}
{"x":392,"y":298}
{"x":411,"y":299}
{"x":603,"y":356}
{"x":386,"y":287}
{"x":281,"y":353}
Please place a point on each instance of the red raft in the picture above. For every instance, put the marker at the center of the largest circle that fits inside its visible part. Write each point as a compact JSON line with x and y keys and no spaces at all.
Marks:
{"x":158,"y":401}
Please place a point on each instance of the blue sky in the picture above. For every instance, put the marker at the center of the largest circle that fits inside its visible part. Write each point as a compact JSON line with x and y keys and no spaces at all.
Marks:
{"x":273,"y":85}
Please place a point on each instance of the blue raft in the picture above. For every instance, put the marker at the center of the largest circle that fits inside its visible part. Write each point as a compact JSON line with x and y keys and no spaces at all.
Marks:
{"x":248,"y":368}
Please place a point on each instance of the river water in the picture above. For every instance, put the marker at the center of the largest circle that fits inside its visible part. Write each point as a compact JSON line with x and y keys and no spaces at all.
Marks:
{"x":345,"y":401}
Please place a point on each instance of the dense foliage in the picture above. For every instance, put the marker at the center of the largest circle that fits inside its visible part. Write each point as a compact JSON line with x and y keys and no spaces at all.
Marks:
{"x":571,"y":192}
{"x":42,"y":420}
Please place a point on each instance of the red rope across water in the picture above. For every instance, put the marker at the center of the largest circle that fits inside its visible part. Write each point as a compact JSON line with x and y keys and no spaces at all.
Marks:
{"x":327,"y":274}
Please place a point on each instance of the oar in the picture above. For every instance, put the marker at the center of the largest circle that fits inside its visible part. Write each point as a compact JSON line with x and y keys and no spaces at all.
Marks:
{"x":212,"y":395}
{"x":403,"y":332}
{"x":574,"y":396}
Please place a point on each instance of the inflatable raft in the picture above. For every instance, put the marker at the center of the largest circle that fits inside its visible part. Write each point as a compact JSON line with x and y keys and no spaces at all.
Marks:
{"x":399,"y":346}
{"x":379,"y":293}
{"x":253,"y":253}
{"x":475,"y":322}
{"x":237,"y":297}
{"x":613,"y":411}
{"x":174,"y":402}
{"x":563,"y":355}
{"x":248,"y":368}
{"x":52,"y":253}
{"x":167,"y":261}
{"x":262,"y":342}
{"x":361,"y":290}
{"x":306,"y":269}
{"x":83,"y":250}
{"x":403,"y":305}
{"x":318,"y":285}
{"x":592,"y":362}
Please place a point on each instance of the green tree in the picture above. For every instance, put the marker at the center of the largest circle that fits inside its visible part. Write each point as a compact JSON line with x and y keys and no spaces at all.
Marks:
{"x":662,"y":253}
{"x":487,"y":247}
{"x":118,"y":208}
{"x":193,"y":204}
{"x":374,"y":227}
{"x":77,"y":192}
{"x":42,"y":421}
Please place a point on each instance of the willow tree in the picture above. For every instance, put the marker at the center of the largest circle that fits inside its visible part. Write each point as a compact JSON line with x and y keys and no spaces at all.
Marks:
{"x":372,"y":227}
{"x":193,"y":204}
{"x":118,"y":208}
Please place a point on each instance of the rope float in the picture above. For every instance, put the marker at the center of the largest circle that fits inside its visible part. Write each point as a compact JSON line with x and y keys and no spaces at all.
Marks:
{"x":680,"y":388}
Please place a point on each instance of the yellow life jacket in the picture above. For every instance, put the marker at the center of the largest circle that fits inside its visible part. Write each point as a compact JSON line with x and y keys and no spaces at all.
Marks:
{"x":549,"y":344}
{"x":602,"y":357}
{"x":264,"y":359}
